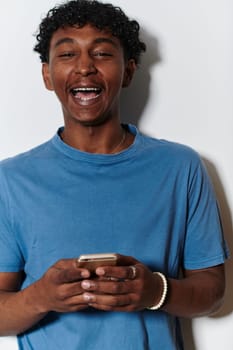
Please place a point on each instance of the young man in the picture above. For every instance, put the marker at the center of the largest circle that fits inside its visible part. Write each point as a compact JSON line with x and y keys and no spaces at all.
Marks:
{"x":99,"y":186}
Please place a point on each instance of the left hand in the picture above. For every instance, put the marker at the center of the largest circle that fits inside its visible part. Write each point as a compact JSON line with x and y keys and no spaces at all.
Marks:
{"x":121,"y":287}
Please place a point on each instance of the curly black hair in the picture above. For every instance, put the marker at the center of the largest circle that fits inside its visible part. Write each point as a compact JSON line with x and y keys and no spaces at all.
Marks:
{"x":100,"y":15}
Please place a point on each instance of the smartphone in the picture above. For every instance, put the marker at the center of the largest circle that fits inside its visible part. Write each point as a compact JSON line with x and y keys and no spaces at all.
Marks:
{"x":92,"y":261}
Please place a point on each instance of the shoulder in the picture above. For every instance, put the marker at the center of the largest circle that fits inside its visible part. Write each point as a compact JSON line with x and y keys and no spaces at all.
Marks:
{"x":24,"y":160}
{"x":170,"y":151}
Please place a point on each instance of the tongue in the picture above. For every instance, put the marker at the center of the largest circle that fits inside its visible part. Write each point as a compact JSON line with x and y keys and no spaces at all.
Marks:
{"x":86,"y":95}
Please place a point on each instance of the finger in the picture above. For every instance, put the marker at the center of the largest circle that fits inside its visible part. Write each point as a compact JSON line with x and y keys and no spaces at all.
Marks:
{"x":70,"y":264}
{"x":124,"y":260}
{"x":71,"y":304}
{"x":69,"y":290}
{"x":125,"y":308}
{"x":108,"y":300}
{"x":132,"y":272}
{"x":120,"y":272}
{"x":65,"y":264}
{"x":68,"y":274}
{"x":108,"y":287}
{"x":73,"y":308}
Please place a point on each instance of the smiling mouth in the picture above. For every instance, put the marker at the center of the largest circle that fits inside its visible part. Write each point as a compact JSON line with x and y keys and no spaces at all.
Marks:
{"x":86,"y":93}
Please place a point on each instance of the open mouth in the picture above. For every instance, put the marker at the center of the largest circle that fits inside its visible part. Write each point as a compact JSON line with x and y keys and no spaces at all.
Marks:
{"x":86,"y":93}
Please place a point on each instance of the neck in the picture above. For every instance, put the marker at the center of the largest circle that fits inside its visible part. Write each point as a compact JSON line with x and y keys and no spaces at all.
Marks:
{"x":104,"y":139}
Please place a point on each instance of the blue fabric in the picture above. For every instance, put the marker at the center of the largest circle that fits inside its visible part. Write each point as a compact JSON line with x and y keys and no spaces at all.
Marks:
{"x":153,"y":201}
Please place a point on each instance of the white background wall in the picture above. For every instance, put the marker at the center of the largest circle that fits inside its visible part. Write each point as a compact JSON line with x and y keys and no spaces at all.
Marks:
{"x":182,"y":92}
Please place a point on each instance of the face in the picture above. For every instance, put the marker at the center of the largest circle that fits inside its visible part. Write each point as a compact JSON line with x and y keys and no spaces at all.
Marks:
{"x":87,"y":70}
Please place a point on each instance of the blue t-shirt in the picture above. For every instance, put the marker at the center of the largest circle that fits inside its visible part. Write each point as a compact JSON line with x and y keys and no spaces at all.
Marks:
{"x":153,"y":201}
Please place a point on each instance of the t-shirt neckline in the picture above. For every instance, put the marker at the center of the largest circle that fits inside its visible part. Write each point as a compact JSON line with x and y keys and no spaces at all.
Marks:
{"x":76,"y":154}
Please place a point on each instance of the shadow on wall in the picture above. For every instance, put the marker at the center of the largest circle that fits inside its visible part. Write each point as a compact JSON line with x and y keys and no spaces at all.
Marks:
{"x":227,"y":225}
{"x":133,"y":101}
{"x":134,"y":98}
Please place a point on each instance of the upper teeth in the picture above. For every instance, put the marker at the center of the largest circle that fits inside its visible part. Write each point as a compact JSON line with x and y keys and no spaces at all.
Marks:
{"x":86,"y":89}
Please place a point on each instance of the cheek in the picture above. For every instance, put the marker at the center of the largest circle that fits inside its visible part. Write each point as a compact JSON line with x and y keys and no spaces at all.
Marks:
{"x":115,"y":78}
{"x":59,"y":75}
{"x":59,"y":86}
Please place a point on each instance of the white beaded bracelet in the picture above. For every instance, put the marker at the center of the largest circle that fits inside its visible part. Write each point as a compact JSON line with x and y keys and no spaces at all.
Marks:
{"x":164,"y":294}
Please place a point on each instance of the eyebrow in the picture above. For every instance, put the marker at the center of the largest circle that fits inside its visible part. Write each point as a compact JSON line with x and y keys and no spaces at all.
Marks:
{"x":63,"y":40}
{"x":96,"y":41}
{"x":105,"y":40}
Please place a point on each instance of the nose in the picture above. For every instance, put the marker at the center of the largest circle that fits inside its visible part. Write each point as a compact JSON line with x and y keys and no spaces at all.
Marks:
{"x":85,"y":65}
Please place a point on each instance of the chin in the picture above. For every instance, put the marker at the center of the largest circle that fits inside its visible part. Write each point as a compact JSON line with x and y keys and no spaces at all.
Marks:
{"x":95,"y":122}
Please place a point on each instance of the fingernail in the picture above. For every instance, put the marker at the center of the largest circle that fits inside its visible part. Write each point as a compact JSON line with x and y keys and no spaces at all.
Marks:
{"x":86,"y":284}
{"x":85,"y":274}
{"x":88,"y":297}
{"x":100,"y":271}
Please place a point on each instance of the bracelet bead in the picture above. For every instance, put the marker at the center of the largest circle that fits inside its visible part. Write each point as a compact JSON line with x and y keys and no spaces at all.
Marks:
{"x":164,"y":294}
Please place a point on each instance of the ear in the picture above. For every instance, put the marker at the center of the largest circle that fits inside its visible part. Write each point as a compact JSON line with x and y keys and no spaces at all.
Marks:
{"x":130,"y":68}
{"x":46,"y":76}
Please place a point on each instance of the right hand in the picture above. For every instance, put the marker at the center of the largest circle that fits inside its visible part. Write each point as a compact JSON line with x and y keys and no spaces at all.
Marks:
{"x":60,"y":288}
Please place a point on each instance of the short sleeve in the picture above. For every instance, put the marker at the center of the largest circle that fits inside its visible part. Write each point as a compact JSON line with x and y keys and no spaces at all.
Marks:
{"x":10,"y":256}
{"x":204,"y":245}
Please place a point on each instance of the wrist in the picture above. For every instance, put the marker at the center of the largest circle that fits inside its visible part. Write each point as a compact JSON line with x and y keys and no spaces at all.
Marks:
{"x":35,"y":298}
{"x":164,"y":291}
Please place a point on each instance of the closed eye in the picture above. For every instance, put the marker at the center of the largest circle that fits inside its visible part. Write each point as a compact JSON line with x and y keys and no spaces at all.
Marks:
{"x":67,"y":54}
{"x":102,"y":54}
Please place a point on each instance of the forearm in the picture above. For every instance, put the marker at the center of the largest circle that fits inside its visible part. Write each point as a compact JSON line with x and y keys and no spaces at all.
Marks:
{"x":59,"y":290}
{"x":19,"y":311}
{"x":196,"y":295}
